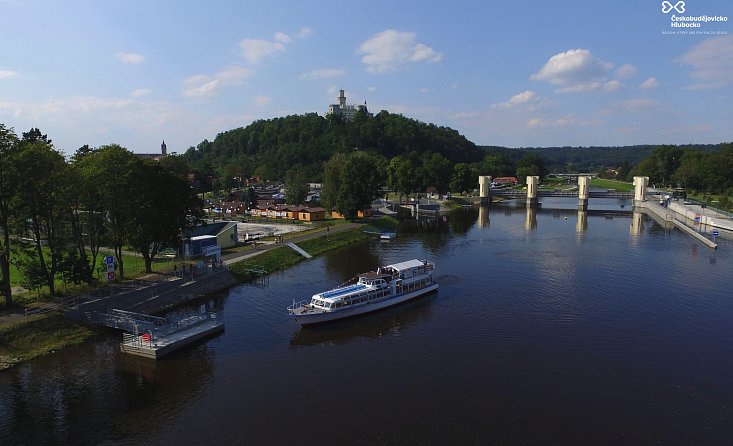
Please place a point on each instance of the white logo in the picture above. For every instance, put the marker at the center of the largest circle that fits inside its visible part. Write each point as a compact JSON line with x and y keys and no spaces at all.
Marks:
{"x":667,"y":6}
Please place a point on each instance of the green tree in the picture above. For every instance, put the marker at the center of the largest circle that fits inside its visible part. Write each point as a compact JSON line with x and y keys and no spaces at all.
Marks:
{"x":436,"y":171}
{"x":296,"y":186}
{"x":402,"y":175}
{"x":8,"y":150}
{"x":332,"y":180}
{"x":464,"y":178}
{"x":351,"y":182}
{"x":165,"y":207}
{"x":42,"y":211}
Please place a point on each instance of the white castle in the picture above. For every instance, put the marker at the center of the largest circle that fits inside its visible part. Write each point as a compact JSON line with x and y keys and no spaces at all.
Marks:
{"x":348,"y":111}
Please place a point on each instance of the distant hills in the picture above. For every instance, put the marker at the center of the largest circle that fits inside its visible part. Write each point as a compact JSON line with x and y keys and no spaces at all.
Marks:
{"x":269,"y":148}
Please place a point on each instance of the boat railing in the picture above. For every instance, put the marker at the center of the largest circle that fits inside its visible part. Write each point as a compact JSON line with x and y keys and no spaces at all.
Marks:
{"x":297,"y":305}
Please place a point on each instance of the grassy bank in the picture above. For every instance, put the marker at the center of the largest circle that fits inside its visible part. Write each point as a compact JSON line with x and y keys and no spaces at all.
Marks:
{"x":611,"y":184}
{"x":284,"y":257}
{"x":21,"y":341}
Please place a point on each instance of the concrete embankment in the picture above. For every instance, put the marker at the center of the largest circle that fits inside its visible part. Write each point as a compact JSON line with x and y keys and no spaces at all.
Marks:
{"x":159,"y":297}
{"x":671,"y":215}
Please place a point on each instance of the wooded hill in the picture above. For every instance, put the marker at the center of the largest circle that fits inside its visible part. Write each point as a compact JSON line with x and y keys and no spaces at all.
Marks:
{"x":269,"y":148}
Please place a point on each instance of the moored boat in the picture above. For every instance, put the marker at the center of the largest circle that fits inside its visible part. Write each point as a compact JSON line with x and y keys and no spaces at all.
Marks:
{"x":387,"y":286}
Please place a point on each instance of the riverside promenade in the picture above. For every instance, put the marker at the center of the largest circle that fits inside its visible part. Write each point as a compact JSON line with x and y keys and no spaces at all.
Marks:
{"x":157,"y":291}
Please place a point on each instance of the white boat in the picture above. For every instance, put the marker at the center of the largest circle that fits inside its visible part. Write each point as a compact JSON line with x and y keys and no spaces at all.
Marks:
{"x":388,"y":285}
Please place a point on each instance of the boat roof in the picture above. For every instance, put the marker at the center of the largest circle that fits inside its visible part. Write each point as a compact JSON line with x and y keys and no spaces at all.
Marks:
{"x":406,"y":264}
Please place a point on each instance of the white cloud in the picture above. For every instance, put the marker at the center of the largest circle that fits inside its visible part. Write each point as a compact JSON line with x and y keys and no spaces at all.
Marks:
{"x":7,"y":74}
{"x":626,"y":70}
{"x":638,"y":104}
{"x":649,"y":84}
{"x":200,"y":85}
{"x":234,"y":75}
{"x":262,"y":100}
{"x":323,"y":73}
{"x":612,"y":85}
{"x":372,"y":89}
{"x":424,"y":90}
{"x":282,"y":38}
{"x":303,"y":33}
{"x":130,"y":57}
{"x":559,"y":122}
{"x":140,"y":92}
{"x":392,"y":50}
{"x":712,"y":62}
{"x":574,"y":70}
{"x":254,"y":50}
{"x":580,"y":88}
{"x":204,"y":85}
{"x":523,"y":98}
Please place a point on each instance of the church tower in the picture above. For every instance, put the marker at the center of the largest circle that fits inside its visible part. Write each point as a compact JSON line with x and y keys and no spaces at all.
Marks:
{"x":163,"y":149}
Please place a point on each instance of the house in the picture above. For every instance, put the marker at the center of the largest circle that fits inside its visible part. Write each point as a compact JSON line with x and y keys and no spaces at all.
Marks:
{"x":224,"y":231}
{"x":312,"y":214}
{"x":364,"y":213}
{"x":506,"y":181}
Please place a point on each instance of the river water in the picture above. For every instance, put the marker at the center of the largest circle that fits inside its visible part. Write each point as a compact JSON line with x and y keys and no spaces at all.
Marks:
{"x":550,"y":326}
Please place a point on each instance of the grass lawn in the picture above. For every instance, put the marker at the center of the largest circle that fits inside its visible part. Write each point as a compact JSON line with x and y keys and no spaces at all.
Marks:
{"x":284,"y":257}
{"x":619,"y":186}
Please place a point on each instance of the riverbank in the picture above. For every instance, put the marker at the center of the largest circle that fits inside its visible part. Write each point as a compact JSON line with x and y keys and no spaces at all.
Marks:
{"x":22,"y":340}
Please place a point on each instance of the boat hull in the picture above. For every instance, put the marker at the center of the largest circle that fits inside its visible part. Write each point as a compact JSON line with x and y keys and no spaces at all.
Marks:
{"x":369,"y":307}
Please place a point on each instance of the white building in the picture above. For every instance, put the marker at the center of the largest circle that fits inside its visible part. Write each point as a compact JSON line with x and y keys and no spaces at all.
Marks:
{"x":348,"y":111}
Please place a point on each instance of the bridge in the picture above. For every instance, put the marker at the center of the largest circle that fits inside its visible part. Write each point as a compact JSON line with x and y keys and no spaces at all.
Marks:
{"x":519,"y":193}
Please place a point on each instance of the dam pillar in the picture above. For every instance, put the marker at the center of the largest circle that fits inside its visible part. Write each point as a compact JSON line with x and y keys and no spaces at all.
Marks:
{"x":583,"y":192}
{"x":484,"y":185}
{"x":640,"y":184}
{"x":532,"y":190}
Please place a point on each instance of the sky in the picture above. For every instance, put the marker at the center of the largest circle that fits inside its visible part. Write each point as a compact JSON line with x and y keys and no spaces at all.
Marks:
{"x":510,"y":73}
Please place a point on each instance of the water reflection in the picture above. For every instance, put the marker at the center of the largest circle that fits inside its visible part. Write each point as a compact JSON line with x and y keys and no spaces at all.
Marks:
{"x":483,"y":217}
{"x":391,"y":321}
{"x":581,"y":224}
{"x":530,"y":221}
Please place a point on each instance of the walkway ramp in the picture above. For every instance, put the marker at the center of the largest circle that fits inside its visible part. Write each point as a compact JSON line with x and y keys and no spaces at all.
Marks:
{"x":297,"y":249}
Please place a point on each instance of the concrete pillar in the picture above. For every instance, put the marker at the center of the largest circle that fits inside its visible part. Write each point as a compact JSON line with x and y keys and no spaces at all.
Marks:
{"x":532,"y":190}
{"x":583,"y":191}
{"x":640,"y":184}
{"x":484,"y":183}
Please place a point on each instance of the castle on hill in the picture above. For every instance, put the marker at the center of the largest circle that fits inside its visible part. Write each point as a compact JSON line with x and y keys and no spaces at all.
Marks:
{"x":348,"y":111}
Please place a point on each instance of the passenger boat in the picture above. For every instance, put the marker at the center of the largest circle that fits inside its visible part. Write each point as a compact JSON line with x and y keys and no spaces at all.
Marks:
{"x":388,"y":285}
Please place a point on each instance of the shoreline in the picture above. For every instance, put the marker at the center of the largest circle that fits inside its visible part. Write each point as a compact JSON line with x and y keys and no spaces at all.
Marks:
{"x":22,"y":341}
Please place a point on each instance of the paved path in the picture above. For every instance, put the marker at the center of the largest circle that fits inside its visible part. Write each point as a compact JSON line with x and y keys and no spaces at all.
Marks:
{"x":17,"y":314}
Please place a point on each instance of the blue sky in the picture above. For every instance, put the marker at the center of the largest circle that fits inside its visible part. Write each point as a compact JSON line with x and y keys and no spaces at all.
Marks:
{"x":522,"y":73}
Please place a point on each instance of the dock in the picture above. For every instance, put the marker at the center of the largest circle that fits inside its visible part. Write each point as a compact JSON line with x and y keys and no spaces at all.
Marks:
{"x":152,"y":336}
{"x":148,"y":345}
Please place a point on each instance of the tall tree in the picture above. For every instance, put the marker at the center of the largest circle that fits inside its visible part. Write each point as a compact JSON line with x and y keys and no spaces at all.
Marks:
{"x":464,"y":178}
{"x":42,"y":209}
{"x":362,"y":178}
{"x":296,"y":186}
{"x":165,"y":207}
{"x":8,"y":149}
{"x":332,"y":179}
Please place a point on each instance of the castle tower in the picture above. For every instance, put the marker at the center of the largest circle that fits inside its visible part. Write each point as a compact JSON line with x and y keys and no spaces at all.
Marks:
{"x":163,"y":149}
{"x":342,"y":99}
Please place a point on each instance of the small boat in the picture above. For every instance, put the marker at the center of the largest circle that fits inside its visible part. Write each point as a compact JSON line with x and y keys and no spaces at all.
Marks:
{"x":387,"y":235}
{"x":387,"y":286}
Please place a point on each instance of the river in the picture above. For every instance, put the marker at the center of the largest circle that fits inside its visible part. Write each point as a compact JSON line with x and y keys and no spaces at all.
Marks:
{"x":550,"y":326}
